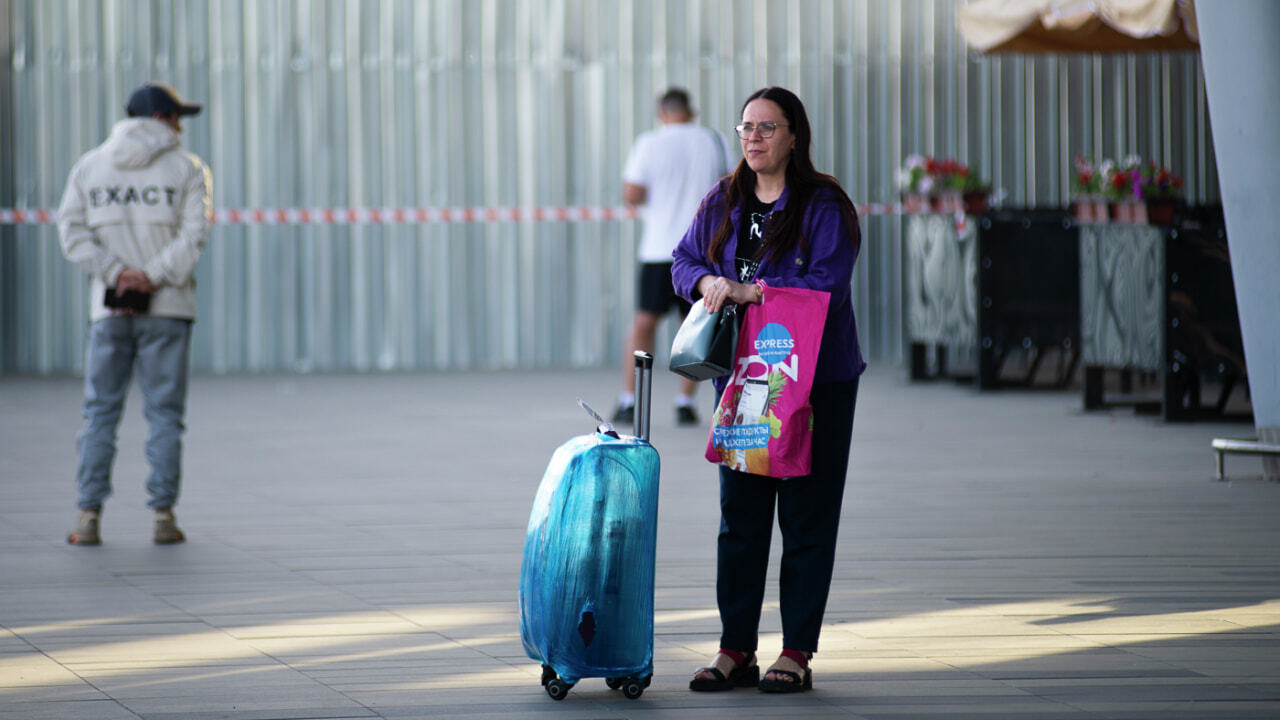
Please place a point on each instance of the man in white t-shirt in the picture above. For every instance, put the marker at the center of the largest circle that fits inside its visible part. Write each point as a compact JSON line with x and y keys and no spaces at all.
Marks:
{"x":667,"y":174}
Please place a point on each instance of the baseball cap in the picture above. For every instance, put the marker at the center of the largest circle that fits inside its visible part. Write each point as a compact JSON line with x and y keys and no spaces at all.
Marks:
{"x":156,"y":98}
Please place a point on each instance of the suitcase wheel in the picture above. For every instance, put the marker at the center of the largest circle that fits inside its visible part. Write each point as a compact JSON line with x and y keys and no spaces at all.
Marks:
{"x":633,"y":688}
{"x":548,"y":674}
{"x":557,"y":689}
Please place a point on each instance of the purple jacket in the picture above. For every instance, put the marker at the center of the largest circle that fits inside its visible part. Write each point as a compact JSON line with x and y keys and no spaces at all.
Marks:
{"x":827,"y":265}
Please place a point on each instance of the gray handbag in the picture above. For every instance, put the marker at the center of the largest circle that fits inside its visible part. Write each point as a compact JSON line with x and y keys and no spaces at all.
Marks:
{"x":705,"y":343}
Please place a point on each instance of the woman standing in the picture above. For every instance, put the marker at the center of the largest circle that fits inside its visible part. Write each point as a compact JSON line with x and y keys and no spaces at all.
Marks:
{"x":778,"y":220}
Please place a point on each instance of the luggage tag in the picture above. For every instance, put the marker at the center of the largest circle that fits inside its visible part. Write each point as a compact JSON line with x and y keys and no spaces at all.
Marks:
{"x":604,"y":427}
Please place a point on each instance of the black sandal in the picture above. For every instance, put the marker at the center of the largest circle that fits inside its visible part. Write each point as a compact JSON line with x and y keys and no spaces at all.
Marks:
{"x":794,"y":685}
{"x":744,"y":674}
{"x":795,"y":682}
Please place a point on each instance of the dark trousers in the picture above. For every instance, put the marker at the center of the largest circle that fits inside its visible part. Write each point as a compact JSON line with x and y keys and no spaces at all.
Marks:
{"x":809,"y":516}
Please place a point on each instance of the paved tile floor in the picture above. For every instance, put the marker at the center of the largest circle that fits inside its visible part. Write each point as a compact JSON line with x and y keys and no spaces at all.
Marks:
{"x":354,"y":545}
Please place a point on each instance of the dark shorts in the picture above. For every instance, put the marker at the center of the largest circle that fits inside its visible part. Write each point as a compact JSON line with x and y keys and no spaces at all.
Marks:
{"x":654,"y":292}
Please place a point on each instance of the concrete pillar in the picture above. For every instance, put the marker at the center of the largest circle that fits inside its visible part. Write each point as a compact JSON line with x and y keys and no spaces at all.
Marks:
{"x":1241,"y":55}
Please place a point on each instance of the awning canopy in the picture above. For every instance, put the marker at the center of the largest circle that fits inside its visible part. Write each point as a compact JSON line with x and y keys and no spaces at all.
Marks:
{"x":1078,"y":26}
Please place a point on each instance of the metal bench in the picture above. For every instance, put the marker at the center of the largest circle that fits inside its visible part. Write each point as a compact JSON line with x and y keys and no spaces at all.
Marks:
{"x":1222,"y":446}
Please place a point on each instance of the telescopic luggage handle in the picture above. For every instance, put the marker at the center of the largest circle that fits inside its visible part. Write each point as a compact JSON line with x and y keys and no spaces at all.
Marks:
{"x":644,"y":393}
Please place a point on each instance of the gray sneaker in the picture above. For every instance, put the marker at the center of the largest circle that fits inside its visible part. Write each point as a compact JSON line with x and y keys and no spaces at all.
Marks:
{"x":86,"y":529}
{"x":167,"y":532}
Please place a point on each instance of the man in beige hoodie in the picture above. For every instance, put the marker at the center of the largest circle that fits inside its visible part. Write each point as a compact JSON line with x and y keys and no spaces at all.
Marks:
{"x":135,"y":215}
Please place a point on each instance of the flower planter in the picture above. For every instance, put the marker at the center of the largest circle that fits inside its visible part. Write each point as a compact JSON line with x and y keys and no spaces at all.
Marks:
{"x":1155,"y":212}
{"x":1161,"y":211}
{"x":931,"y":185}
{"x":948,"y":202}
{"x":1129,"y":183}
{"x":1091,"y":210}
{"x":920,"y":203}
{"x":1128,"y":211}
{"x":916,"y":203}
{"x":975,"y":203}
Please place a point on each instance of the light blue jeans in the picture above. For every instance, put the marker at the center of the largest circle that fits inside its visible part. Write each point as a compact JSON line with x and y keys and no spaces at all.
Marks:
{"x":158,"y":346}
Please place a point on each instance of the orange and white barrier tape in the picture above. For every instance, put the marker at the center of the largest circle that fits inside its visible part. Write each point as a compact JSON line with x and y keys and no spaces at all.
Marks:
{"x":405,"y":216}
{"x":18,"y":216}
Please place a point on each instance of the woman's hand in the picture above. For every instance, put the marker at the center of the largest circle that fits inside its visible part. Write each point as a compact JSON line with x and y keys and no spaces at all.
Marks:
{"x":717,"y":291}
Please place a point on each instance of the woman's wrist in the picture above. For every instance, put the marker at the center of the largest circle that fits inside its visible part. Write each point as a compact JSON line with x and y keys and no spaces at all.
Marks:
{"x":700,"y":286}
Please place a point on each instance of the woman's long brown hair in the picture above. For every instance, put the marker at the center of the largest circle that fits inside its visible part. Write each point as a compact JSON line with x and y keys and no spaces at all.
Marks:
{"x":783,"y":231}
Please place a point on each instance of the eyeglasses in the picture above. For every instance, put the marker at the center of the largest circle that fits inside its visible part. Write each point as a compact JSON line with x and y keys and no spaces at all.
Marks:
{"x":765,"y":129}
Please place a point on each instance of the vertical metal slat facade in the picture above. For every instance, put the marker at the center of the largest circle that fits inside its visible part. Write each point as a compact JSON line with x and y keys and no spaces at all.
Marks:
{"x":504,"y":103}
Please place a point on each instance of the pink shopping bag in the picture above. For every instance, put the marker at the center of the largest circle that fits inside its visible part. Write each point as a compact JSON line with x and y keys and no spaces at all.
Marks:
{"x":764,"y":423}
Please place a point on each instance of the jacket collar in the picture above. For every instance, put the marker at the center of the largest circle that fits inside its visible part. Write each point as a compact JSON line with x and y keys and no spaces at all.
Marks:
{"x":735,"y":212}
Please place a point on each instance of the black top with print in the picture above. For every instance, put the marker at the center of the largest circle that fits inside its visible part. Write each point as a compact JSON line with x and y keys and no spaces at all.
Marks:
{"x":751,"y":237}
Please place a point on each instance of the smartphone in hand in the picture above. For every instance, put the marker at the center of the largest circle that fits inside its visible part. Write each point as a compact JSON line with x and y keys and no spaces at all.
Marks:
{"x":139,"y":302}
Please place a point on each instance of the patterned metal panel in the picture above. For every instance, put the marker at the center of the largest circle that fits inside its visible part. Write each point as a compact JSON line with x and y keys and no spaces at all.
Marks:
{"x":1122,"y":295}
{"x":337,"y":103}
{"x":942,"y":282}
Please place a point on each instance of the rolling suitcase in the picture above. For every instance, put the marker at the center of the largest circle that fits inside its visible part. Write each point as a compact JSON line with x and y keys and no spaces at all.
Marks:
{"x":586,"y":583}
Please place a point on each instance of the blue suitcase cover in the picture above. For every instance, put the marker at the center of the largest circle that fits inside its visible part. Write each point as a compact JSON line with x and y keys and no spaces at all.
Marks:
{"x":586,"y":583}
